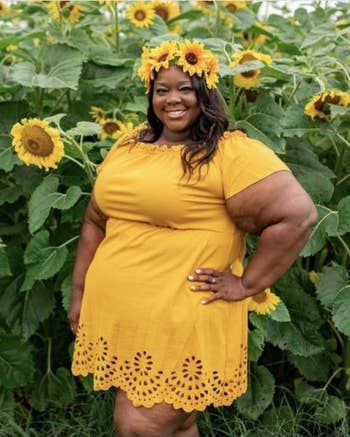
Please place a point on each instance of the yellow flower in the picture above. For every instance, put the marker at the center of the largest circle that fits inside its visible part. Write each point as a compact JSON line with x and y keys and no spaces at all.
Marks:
{"x":36,"y":42}
{"x":11,"y":48}
{"x":207,"y":7}
{"x":3,"y":8}
{"x":162,"y":55}
{"x":97,"y":113}
{"x":316,"y":107}
{"x":111,"y":127}
{"x":140,"y":14}
{"x":250,"y":78}
{"x":64,"y":9}
{"x":314,"y":277}
{"x":213,"y":68}
{"x":193,"y":57}
{"x":36,"y":143}
{"x":254,"y":39}
{"x":167,"y":10}
{"x":264,"y":302}
{"x":232,"y":6}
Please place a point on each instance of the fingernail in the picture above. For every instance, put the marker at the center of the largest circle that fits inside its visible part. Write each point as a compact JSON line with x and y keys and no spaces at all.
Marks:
{"x":191,"y":277}
{"x":203,"y":301}
{"x":192,"y":287}
{"x":198,"y":270}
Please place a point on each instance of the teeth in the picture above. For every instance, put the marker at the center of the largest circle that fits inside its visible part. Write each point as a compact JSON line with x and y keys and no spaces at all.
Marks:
{"x":175,"y":112}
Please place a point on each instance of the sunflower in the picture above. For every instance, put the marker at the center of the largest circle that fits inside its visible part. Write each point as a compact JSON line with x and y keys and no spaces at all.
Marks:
{"x":248,"y":79}
{"x":232,"y":6}
{"x":97,"y":113}
{"x":3,"y":8}
{"x":314,"y":277}
{"x":167,"y":10}
{"x":140,"y":14}
{"x":111,"y":127}
{"x":36,"y":143}
{"x":254,"y":39}
{"x":192,"y":57}
{"x":213,"y":68}
{"x":317,"y":106}
{"x":162,"y":55}
{"x":64,"y":9}
{"x":264,"y":302}
{"x":207,"y":7}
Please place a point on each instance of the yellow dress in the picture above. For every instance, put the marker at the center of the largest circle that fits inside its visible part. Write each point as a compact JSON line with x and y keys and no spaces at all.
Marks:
{"x":141,"y":327}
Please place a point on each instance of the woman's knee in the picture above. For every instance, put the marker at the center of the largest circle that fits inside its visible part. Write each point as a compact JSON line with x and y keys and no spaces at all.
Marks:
{"x":159,"y":421}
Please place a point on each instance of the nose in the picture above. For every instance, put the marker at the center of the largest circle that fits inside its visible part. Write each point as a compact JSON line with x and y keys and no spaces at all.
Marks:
{"x":173,"y":97}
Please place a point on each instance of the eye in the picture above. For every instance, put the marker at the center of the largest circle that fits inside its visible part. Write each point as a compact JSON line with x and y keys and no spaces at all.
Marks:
{"x":160,"y":91}
{"x":186,"y":89}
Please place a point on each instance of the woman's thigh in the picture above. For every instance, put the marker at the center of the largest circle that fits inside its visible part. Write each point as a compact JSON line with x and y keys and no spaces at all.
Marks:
{"x":161,"y":420}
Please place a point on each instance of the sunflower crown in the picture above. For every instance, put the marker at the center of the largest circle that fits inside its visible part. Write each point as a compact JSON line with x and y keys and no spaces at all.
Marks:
{"x":190,"y":56}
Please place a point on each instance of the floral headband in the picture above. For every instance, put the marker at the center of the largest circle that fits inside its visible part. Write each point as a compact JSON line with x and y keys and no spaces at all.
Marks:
{"x":191,"y":56}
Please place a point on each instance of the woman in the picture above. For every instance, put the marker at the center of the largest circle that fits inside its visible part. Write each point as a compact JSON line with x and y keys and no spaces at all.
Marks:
{"x":159,"y":292}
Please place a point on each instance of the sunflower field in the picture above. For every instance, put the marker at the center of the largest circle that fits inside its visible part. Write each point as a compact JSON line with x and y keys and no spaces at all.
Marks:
{"x":69,"y":88}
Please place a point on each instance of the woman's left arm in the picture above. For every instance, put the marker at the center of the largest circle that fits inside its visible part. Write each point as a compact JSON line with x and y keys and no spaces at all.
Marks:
{"x":277,"y":209}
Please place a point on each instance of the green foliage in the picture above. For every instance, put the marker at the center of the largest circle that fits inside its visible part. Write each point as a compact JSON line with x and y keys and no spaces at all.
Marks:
{"x":56,"y":71}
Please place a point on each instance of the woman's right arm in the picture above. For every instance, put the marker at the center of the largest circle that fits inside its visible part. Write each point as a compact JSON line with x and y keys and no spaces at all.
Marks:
{"x":91,"y":235}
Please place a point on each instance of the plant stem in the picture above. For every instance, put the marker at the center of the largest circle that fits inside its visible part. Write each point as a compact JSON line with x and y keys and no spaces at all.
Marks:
{"x":49,"y":348}
{"x":69,"y":241}
{"x":332,"y":377}
{"x":346,"y":247}
{"x":116,"y":22}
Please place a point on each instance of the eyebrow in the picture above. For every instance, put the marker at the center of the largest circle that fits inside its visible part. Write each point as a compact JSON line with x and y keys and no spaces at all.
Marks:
{"x":181,"y":82}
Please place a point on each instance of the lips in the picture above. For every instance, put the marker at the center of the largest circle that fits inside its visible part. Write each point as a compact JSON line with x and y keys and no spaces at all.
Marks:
{"x":178,"y":113}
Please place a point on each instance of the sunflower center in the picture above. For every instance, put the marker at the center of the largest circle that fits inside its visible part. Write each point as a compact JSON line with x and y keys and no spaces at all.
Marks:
{"x":163,"y":57}
{"x":191,"y":58}
{"x":162,"y":11}
{"x":37,"y":141}
{"x":63,"y":4}
{"x":319,"y":104}
{"x":247,"y":58}
{"x":140,"y":15}
{"x":232,"y":8}
{"x":260,"y":297}
{"x":111,"y":127}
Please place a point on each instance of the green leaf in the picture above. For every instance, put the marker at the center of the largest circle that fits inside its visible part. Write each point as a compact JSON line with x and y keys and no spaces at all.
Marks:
{"x":344,"y":216}
{"x":53,"y":389}
{"x":4,"y":262}
{"x":288,"y":337}
{"x":42,"y":260}
{"x":66,"y":292}
{"x":10,"y":194}
{"x":85,"y":129}
{"x":318,"y":34}
{"x":327,"y":225}
{"x":56,"y":119}
{"x":7,"y":403}
{"x":67,"y":200}
{"x":332,"y":279}
{"x":41,"y":202}
{"x":307,"y":394}
{"x":259,"y":395}
{"x":8,"y":159}
{"x":256,"y":341}
{"x":61,"y":69}
{"x":314,"y":368}
{"x":331,"y":410}
{"x":281,"y":313}
{"x":318,"y":186}
{"x":16,"y":364}
{"x":296,"y":123}
{"x":340,"y":313}
{"x":107,"y":56}
{"x":264,"y":128}
{"x":38,"y":304}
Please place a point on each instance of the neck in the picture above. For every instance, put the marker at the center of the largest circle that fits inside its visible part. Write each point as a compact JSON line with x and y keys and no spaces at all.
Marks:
{"x":170,"y":137}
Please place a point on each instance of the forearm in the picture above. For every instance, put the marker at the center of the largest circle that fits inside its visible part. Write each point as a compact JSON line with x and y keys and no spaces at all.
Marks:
{"x":90,"y":238}
{"x":279,"y":246}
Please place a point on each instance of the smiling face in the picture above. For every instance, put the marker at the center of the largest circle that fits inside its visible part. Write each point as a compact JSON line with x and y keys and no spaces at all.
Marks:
{"x":175,"y":104}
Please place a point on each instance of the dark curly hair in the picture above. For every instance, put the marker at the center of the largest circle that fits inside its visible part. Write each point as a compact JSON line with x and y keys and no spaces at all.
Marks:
{"x":205,"y":132}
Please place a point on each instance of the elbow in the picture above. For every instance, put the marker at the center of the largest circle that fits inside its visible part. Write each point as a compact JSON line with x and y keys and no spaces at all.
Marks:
{"x":307,"y":216}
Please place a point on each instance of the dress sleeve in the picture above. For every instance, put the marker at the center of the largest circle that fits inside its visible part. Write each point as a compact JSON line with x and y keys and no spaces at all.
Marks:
{"x":246,"y":161}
